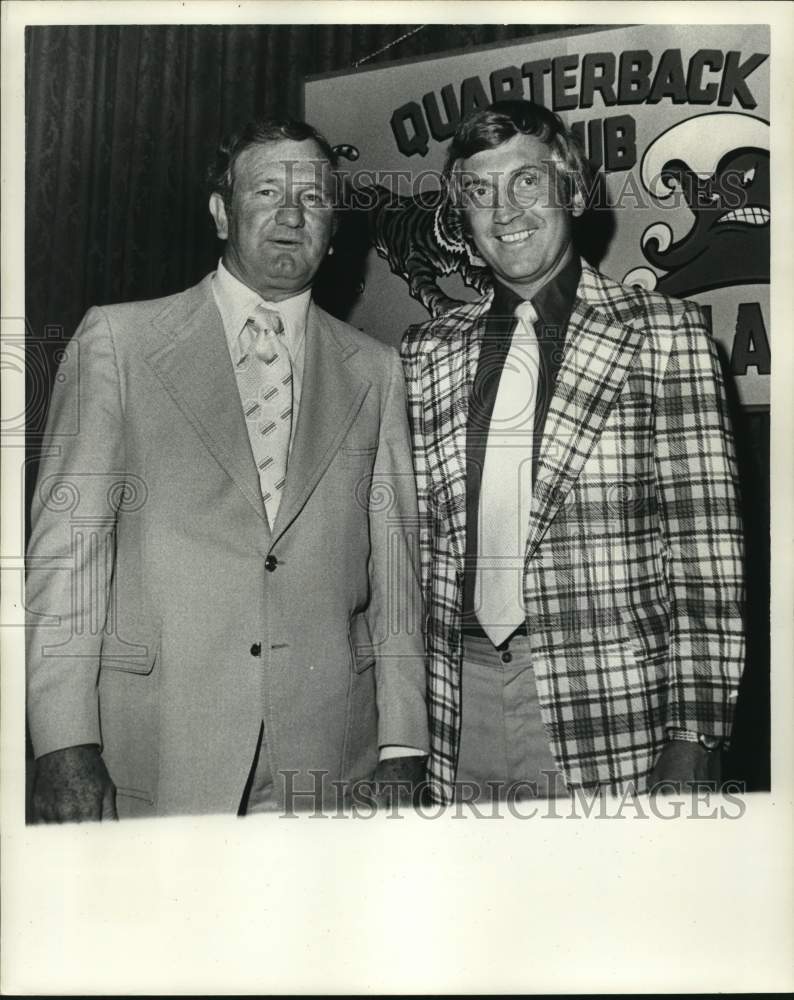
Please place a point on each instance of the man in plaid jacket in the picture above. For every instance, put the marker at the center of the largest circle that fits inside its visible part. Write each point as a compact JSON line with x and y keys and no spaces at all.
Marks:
{"x":580,"y":530}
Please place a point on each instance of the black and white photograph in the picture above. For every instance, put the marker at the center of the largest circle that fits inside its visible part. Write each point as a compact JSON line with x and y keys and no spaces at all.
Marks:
{"x":391,"y":433}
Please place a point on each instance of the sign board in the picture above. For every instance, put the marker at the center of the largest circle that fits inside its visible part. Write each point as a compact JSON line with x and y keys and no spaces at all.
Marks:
{"x":677,"y":117}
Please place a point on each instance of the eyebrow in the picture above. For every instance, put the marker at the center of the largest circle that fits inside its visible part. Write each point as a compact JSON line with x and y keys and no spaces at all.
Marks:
{"x":470,"y":178}
{"x":296,"y":183}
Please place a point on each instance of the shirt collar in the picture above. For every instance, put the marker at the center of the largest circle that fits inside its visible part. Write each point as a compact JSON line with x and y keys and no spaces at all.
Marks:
{"x":236,"y":302}
{"x":553,"y":303}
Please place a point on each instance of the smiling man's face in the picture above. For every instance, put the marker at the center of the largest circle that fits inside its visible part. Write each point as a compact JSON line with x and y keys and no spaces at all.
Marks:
{"x":281,"y":218}
{"x":514,"y":213}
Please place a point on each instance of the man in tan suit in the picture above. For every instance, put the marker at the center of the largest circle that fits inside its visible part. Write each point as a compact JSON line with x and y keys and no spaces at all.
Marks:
{"x":222,"y":594}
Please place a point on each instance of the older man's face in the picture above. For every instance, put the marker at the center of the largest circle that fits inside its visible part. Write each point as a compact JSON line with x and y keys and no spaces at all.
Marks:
{"x":281,"y":219}
{"x":514,"y":214}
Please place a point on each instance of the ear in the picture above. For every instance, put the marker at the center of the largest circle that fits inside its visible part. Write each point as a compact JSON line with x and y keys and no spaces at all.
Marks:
{"x":578,"y":205}
{"x":218,"y":213}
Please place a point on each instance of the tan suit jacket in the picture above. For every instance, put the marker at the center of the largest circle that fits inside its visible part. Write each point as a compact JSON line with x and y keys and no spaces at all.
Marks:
{"x":166,"y":618}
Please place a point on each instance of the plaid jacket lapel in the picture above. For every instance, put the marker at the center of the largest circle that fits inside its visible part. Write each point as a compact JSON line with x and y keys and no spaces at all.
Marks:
{"x":453,"y":365}
{"x":598,"y":355}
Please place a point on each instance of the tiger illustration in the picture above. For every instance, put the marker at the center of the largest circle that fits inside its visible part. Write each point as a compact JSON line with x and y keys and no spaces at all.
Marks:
{"x":419,"y":238}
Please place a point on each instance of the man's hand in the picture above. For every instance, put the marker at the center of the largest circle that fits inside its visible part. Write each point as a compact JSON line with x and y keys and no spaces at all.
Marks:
{"x":401,"y":780}
{"x":73,"y":785}
{"x":682,"y":762}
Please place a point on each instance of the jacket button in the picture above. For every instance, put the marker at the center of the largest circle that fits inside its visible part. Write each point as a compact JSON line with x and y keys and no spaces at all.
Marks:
{"x":270,"y":563}
{"x":507,"y":656}
{"x":256,"y":649}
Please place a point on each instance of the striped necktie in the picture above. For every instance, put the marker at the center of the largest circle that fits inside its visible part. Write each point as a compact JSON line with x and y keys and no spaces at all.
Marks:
{"x":264,"y":379}
{"x":506,"y":488}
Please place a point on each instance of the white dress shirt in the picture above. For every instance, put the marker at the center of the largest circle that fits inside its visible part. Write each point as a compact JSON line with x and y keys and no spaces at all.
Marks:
{"x":236,"y":302}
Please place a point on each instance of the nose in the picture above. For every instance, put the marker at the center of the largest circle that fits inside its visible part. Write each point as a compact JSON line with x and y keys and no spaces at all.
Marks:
{"x":290,"y":214}
{"x":504,"y":209}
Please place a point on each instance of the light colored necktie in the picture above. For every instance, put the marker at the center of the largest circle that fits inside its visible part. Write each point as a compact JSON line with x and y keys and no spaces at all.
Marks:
{"x":264,"y":378}
{"x":506,"y":488}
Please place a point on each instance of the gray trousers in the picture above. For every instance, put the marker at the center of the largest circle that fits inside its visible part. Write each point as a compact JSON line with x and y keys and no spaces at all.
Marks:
{"x":503,"y":741}
{"x":503,"y":748}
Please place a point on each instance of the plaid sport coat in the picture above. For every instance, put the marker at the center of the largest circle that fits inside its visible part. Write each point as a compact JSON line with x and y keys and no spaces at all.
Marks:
{"x":633,"y":581}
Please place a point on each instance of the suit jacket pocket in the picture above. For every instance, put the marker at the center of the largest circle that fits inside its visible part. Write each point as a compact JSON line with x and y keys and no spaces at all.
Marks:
{"x":134,"y":657}
{"x":361,"y":648}
{"x":648,"y":629}
{"x":360,"y":747}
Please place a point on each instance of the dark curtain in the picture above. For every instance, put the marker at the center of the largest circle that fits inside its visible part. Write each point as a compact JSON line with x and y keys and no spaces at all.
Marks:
{"x":121,"y":124}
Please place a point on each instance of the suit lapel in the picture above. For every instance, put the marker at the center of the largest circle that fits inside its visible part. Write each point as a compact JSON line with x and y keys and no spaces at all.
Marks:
{"x":195,"y":368}
{"x":597,"y":358}
{"x":331,"y":396}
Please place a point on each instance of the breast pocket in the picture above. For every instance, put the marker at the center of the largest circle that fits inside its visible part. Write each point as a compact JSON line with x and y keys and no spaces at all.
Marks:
{"x":623,"y":446}
{"x":355,"y":464}
{"x":359,"y":454}
{"x":360,"y":444}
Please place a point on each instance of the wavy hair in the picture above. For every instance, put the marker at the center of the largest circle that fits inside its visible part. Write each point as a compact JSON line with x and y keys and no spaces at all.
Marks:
{"x":500,"y":122}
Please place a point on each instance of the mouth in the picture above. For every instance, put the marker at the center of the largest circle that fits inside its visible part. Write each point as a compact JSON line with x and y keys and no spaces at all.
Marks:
{"x":518,"y":237}
{"x":752,"y":216}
